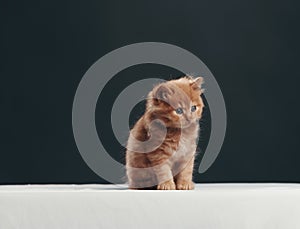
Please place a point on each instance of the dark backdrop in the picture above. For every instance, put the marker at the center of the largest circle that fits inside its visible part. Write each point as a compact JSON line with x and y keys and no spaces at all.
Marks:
{"x":251,"y":46}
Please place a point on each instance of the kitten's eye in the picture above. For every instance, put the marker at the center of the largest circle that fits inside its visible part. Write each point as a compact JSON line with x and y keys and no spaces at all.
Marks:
{"x":179,"y":111}
{"x":193,"y":108}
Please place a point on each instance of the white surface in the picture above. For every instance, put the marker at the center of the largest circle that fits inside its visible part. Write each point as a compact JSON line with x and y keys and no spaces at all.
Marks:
{"x":217,"y":206}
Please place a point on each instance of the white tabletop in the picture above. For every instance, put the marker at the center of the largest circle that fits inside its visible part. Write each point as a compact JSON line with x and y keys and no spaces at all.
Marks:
{"x":250,"y":206}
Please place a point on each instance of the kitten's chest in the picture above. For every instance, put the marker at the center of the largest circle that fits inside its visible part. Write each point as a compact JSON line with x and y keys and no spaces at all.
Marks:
{"x":185,"y":149}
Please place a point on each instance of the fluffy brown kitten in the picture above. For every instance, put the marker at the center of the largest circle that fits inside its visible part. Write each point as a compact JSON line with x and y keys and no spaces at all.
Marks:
{"x":162,"y":144}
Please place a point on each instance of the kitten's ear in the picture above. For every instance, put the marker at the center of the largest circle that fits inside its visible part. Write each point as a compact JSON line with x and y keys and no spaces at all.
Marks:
{"x":196,"y":83}
{"x":163,"y":92}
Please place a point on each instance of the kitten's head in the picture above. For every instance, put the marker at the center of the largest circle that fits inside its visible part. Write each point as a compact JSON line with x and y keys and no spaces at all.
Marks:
{"x":177,"y":103}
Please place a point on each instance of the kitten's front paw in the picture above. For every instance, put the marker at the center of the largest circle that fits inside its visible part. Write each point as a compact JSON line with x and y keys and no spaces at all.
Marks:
{"x":185,"y":185}
{"x":168,"y":185}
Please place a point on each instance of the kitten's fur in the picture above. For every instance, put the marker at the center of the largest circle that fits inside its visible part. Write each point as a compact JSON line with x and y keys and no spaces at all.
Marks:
{"x":170,"y":165}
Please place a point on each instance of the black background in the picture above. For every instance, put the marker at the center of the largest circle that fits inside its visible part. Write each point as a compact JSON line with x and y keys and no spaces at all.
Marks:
{"x":252,"y":48}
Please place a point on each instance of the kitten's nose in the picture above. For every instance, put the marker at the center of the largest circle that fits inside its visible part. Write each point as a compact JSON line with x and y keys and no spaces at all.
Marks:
{"x":187,"y":118}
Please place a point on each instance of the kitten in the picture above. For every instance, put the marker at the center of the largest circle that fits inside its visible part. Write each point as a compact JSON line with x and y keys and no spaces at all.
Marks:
{"x":162,"y":144}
